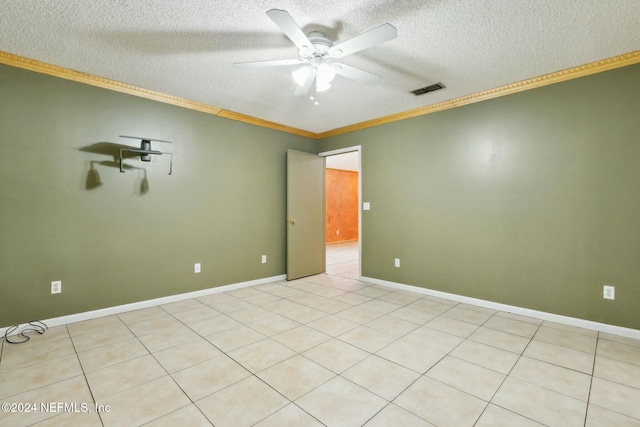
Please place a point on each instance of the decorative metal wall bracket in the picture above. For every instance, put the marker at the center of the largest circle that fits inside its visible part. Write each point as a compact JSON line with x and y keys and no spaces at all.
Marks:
{"x":145,"y":151}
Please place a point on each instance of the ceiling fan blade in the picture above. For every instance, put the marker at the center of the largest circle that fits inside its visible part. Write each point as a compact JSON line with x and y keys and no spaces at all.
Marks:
{"x":263,"y":64}
{"x":356,"y":74}
{"x":378,"y":35}
{"x":304,"y":89}
{"x":289,"y":27}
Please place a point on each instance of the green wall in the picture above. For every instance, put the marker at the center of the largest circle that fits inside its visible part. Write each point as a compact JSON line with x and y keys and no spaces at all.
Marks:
{"x":112,"y":244}
{"x":531,"y":199}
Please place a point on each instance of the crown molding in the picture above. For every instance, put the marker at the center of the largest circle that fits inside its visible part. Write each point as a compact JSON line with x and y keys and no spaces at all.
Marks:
{"x":521,"y":86}
{"x":265,"y":123}
{"x":89,"y":79}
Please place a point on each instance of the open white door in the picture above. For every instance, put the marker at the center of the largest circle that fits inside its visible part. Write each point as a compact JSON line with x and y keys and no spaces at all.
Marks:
{"x":305,"y":214}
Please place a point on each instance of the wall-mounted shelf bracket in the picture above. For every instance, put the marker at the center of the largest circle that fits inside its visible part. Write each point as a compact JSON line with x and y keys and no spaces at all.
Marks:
{"x":145,"y":151}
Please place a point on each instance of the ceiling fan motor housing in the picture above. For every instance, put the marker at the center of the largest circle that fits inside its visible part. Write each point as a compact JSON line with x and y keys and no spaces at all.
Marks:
{"x":319,"y":48}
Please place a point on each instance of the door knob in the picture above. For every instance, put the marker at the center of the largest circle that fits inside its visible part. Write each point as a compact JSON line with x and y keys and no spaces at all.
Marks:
{"x":292,"y":221}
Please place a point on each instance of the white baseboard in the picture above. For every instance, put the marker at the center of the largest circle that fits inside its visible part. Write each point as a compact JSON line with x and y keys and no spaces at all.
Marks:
{"x":94,"y":314}
{"x":571,"y":321}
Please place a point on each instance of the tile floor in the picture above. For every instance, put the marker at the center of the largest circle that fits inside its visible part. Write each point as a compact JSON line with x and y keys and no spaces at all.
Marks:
{"x":324,"y":350}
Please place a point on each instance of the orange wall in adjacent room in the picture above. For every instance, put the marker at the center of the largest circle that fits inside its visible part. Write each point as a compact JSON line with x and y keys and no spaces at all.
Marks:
{"x":342,"y":206}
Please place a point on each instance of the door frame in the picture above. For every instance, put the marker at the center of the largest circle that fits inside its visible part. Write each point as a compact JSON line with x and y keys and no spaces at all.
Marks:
{"x":351,"y":149}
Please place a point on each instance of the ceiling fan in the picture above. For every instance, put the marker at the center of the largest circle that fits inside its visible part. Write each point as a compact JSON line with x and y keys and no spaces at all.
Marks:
{"x":318,"y":55}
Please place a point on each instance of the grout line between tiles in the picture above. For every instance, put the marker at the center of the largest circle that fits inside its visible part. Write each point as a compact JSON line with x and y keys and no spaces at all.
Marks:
{"x":329,"y":285}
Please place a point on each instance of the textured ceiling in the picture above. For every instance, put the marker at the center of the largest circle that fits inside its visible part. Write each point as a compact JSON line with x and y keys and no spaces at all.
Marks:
{"x":186,"y":48}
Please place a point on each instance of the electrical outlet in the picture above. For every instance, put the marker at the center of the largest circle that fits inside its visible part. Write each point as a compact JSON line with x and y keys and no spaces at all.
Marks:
{"x":397,"y":262}
{"x":264,"y":259}
{"x":56,"y":287}
{"x":608,"y":292}
{"x":196,"y":267}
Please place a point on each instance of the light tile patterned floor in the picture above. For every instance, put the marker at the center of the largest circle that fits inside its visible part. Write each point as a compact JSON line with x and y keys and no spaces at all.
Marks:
{"x":324,"y":350}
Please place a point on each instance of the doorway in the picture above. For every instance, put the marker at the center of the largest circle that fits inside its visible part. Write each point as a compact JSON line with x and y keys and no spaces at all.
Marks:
{"x":343,"y":201}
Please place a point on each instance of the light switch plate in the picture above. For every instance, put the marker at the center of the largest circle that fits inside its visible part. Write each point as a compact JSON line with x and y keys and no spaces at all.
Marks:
{"x":366,"y":206}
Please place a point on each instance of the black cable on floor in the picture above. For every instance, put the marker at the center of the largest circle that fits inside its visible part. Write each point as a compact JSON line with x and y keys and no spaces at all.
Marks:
{"x":33,"y":326}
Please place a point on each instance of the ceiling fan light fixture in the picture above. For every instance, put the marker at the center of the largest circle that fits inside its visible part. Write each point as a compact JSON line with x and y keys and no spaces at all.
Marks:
{"x":322,"y":86}
{"x":326,"y":73}
{"x":324,"y":76}
{"x":301,"y":75}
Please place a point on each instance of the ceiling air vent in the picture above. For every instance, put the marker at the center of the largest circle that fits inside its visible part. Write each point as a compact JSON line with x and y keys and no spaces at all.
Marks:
{"x":428,"y":89}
